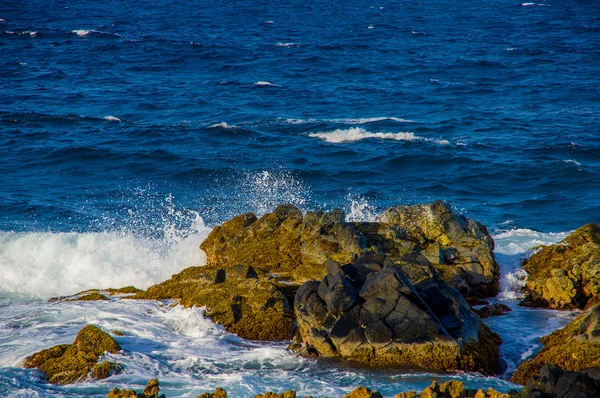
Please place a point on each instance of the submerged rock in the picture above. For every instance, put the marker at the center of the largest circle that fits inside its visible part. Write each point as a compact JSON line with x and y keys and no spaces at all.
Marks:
{"x":69,"y":363}
{"x":245,"y":301}
{"x":496,"y":309}
{"x":151,"y":391}
{"x":565,"y":275}
{"x":574,"y":348}
{"x":368,"y":312}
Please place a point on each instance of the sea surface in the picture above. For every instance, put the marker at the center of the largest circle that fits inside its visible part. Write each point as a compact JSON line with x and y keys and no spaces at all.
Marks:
{"x":129,"y":129}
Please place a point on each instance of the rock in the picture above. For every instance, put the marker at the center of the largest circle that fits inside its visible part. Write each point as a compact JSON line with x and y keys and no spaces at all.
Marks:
{"x":246,"y":302}
{"x":151,"y":391}
{"x":565,"y":275}
{"x":496,"y":309}
{"x":451,"y":389}
{"x":94,"y":296}
{"x":218,"y":393}
{"x":269,"y":394}
{"x":575,"y":347}
{"x":460,"y":248}
{"x":554,"y":382}
{"x":363,"y":392}
{"x":284,"y":242}
{"x":368,"y":312}
{"x":69,"y":363}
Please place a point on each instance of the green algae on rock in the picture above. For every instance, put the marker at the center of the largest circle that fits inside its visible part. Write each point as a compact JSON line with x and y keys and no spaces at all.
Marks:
{"x":218,"y":393}
{"x":151,"y":390}
{"x":369,"y":312}
{"x":248,"y":303}
{"x":565,"y":275}
{"x":69,"y":363}
{"x":575,"y":347}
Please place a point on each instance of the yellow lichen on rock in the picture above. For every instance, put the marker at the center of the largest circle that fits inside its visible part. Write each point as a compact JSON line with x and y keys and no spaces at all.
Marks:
{"x":363,"y":392}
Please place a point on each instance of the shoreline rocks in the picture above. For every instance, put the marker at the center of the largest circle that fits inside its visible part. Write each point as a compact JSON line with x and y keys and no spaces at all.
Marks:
{"x":565,"y":275}
{"x":70,"y":363}
{"x":368,"y":312}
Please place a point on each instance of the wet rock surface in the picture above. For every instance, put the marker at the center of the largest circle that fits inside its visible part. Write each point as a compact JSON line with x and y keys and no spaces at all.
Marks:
{"x":368,"y":312}
{"x":70,"y":363}
{"x":554,"y":382}
{"x":565,"y":275}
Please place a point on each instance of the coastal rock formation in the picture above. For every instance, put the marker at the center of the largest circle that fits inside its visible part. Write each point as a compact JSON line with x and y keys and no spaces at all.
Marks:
{"x":368,"y":312}
{"x":427,"y":239}
{"x":452,"y":389}
{"x":496,"y":309}
{"x":218,"y":393}
{"x":69,"y":363}
{"x":363,"y":392}
{"x":565,"y":275}
{"x":554,"y":382}
{"x":285,"y":394}
{"x":151,"y":391}
{"x":246,"y":302}
{"x":574,"y":348}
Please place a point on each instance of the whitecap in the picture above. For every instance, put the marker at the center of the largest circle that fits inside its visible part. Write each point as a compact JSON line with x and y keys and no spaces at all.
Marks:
{"x":362,"y":120}
{"x":111,"y":118}
{"x":265,"y":83}
{"x":81,"y":32}
{"x":523,"y":240}
{"x":2,"y":20}
{"x":357,"y":133}
{"x":223,"y":125}
{"x":370,"y":27}
{"x":287,"y":44}
{"x":527,"y":4}
{"x":575,"y":162}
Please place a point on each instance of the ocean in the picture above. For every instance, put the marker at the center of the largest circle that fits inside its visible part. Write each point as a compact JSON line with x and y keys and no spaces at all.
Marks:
{"x":128,"y":130}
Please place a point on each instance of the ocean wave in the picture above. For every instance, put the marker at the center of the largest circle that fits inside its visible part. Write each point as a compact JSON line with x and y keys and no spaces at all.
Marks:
{"x":288,"y":44}
{"x":111,"y":118}
{"x":363,"y":120}
{"x":223,"y":125}
{"x":263,"y":83}
{"x":357,"y":133}
{"x":47,"y":264}
{"x":523,"y":240}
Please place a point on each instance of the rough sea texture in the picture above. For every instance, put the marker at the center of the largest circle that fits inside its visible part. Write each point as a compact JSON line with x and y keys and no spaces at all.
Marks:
{"x":129,"y":129}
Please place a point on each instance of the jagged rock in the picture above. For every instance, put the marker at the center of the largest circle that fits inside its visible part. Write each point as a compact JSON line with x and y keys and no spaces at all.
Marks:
{"x":363,"y":392}
{"x":460,"y":248}
{"x":218,"y":393}
{"x":367,"y":311}
{"x":285,"y":394}
{"x":94,"y":296}
{"x":554,"y":382}
{"x":574,"y":348}
{"x":565,"y":275}
{"x":451,"y":389}
{"x":151,"y":391}
{"x":245,"y":301}
{"x":496,"y":309}
{"x":69,"y":363}
{"x":284,"y":242}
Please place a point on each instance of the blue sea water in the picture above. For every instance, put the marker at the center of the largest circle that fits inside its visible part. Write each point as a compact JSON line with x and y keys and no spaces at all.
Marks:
{"x":129,"y":129}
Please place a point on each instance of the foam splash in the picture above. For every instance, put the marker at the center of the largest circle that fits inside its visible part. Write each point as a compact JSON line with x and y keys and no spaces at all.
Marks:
{"x":339,"y":136}
{"x":223,"y":125}
{"x":265,"y":190}
{"x":266,"y":84}
{"x":111,"y":118}
{"x":359,"y":210}
{"x":364,"y":120}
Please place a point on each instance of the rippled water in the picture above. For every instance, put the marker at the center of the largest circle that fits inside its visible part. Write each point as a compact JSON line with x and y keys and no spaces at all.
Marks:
{"x":128,"y":130}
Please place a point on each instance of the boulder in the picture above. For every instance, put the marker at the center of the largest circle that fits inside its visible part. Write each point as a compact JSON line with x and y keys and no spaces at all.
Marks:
{"x":554,"y":382}
{"x":496,"y":309}
{"x":248,"y":303}
{"x":218,"y":393}
{"x":368,"y":312}
{"x":69,"y":363}
{"x":151,"y":391}
{"x":285,"y":394}
{"x":565,"y":275}
{"x":575,"y":347}
{"x":363,"y":392}
{"x":461,"y":249}
{"x":451,"y":389}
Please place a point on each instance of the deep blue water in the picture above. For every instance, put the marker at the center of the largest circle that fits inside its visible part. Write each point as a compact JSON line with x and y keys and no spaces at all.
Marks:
{"x":502,"y":98}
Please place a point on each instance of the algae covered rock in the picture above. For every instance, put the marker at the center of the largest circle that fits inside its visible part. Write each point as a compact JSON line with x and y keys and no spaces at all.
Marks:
{"x":363,"y":392}
{"x":368,"y":312}
{"x":218,"y":393}
{"x":451,"y":389}
{"x":574,"y":348}
{"x":151,"y":391}
{"x":284,"y":242}
{"x":555,"y":382}
{"x":246,"y":302}
{"x":69,"y":363}
{"x":285,"y":394}
{"x":460,"y":248}
{"x":565,"y":275}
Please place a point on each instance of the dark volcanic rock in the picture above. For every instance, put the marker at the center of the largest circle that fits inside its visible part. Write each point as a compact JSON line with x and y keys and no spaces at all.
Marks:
{"x":369,"y":312}
{"x":565,"y":275}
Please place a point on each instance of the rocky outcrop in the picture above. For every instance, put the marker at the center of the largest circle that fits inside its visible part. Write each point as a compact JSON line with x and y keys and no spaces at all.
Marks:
{"x":69,"y":363}
{"x":496,"y":309}
{"x":151,"y":391}
{"x":363,"y":392}
{"x":218,"y":393}
{"x":452,"y":389}
{"x":431,"y":239}
{"x":285,"y":394}
{"x":574,"y":348}
{"x":368,"y":312}
{"x":554,"y":382}
{"x":247,"y":302}
{"x":565,"y":275}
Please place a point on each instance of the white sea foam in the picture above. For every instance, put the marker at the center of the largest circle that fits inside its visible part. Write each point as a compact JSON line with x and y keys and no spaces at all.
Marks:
{"x":111,"y":118}
{"x":265,"y":190}
{"x":359,"y":210}
{"x":527,"y":4}
{"x":364,"y":120}
{"x":575,"y":162}
{"x":223,"y":125}
{"x":81,"y":32}
{"x":370,"y":27}
{"x":357,"y":133}
{"x":287,"y":44}
{"x":266,"y":84}
{"x":48,"y":264}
